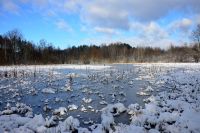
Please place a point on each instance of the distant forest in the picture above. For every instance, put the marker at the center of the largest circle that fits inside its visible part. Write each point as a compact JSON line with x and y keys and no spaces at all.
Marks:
{"x":14,"y":49}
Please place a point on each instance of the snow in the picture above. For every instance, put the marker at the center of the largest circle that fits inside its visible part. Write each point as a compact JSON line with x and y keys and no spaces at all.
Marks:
{"x":51,"y":122}
{"x":83,"y":109}
{"x":191,"y":119}
{"x":114,"y":109}
{"x":72,"y":107}
{"x":46,"y":108}
{"x":141,"y":93}
{"x":87,"y":100}
{"x":150,"y":99}
{"x":58,"y":99}
{"x":129,"y":129}
{"x":9,"y":122}
{"x":134,"y":109}
{"x":48,"y":90}
{"x":149,"y":89}
{"x":130,"y":82}
{"x":72,"y":75}
{"x":60,"y":111}
{"x":20,"y":108}
{"x":67,"y":88}
{"x":103,"y":102}
{"x":66,"y":66}
{"x":175,"y":108}
{"x":107,"y":120}
{"x":35,"y":123}
{"x":71,"y":124}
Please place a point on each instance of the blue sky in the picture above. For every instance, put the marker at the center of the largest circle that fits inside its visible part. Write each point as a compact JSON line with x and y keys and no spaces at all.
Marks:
{"x":66,"y":23}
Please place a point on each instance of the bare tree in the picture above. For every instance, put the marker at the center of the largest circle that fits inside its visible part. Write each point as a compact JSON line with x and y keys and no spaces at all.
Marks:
{"x":196,"y":38}
{"x":196,"y":35}
{"x":14,"y":36}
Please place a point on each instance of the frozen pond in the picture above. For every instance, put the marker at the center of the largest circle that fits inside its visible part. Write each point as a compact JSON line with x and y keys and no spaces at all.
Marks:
{"x":87,"y":87}
{"x":118,"y":98}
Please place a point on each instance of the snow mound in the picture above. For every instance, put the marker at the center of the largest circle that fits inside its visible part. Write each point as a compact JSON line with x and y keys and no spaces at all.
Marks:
{"x":71,"y":124}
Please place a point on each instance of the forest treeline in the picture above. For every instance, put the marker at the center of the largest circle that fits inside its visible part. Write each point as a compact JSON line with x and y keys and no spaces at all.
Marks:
{"x":14,"y":49}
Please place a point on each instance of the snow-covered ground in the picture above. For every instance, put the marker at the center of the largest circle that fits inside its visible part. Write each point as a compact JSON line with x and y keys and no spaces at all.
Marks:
{"x":171,"y":94}
{"x":47,"y":67}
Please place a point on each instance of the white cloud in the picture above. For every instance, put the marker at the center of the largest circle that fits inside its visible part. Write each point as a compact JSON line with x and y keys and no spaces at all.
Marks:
{"x":9,"y":6}
{"x":150,"y":32}
{"x":105,"y":30}
{"x":71,"y":6}
{"x":63,"y":25}
{"x":104,"y":14}
{"x":182,"y":25}
{"x":153,"y":29}
{"x":119,"y":14}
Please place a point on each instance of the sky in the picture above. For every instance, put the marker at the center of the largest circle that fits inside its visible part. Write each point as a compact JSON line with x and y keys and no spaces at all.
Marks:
{"x":66,"y":23}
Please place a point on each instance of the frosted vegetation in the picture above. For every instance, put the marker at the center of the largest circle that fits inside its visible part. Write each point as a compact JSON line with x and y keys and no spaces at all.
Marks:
{"x":125,"y":98}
